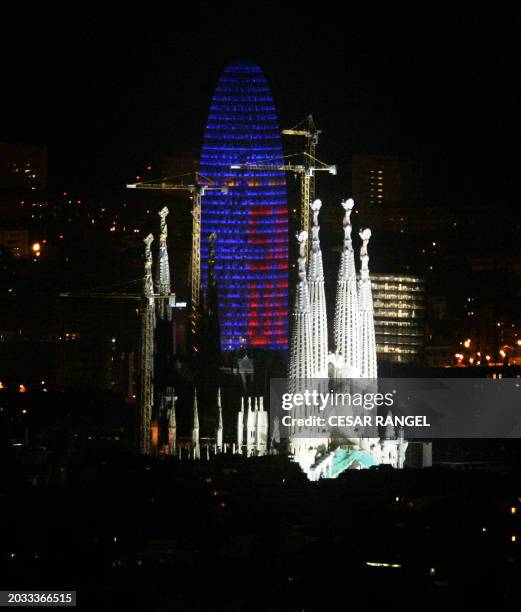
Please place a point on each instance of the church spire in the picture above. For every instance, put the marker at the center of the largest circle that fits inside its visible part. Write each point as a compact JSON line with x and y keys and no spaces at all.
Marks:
{"x":389,"y":428}
{"x":368,"y":368}
{"x":346,"y":324}
{"x":195,"y":429}
{"x":219,"y":435}
{"x":147,"y":353}
{"x":171,"y":419}
{"x":317,"y":299}
{"x":148,"y":282}
{"x":164,"y":310}
{"x":301,"y":354}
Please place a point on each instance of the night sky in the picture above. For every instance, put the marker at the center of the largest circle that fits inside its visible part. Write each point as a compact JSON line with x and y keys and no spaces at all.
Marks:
{"x":110,"y":90}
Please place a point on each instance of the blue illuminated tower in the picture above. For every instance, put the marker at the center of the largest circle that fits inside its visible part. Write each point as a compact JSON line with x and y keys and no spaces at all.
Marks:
{"x":251,"y":219}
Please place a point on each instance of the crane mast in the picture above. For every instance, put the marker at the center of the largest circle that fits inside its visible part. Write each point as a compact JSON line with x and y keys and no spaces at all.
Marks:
{"x":307,"y":176}
{"x":195,"y":261}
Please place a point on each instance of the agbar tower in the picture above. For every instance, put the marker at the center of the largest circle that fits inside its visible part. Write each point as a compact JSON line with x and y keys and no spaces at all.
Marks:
{"x":251,"y":219}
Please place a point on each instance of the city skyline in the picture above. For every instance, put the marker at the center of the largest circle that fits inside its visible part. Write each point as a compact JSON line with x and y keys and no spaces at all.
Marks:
{"x":227,"y":389}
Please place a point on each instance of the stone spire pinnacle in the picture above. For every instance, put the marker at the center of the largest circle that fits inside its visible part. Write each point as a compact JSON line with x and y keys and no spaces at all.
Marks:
{"x":368,"y":367}
{"x":347,"y":263}
{"x":317,"y":299}
{"x":171,"y":418}
{"x":301,"y":354}
{"x":365,"y":235}
{"x":163,"y":309}
{"x":196,"y":411}
{"x":315,"y":268}
{"x":147,"y":353}
{"x":302,"y":301}
{"x":149,"y":284}
{"x":219,"y":435}
{"x":195,"y":429}
{"x":389,"y":428}
{"x":346,"y":324}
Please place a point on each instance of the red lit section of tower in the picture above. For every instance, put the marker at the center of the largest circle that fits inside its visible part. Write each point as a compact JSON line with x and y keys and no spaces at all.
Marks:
{"x":251,"y":219}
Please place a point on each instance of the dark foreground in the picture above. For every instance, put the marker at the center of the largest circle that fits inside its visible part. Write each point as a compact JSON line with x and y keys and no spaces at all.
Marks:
{"x":246,"y":535}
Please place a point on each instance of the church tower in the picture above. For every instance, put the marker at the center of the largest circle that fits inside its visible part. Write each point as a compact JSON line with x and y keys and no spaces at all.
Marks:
{"x":317,"y":299}
{"x":301,"y":364}
{"x":346,"y":323}
{"x":368,"y":368}
{"x":163,"y":309}
{"x":219,"y":432}
{"x":196,"y":447}
{"x":171,"y":420}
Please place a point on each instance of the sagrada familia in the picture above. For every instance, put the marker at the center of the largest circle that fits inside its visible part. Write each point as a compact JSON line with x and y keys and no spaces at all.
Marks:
{"x":353,"y":363}
{"x":320,"y":453}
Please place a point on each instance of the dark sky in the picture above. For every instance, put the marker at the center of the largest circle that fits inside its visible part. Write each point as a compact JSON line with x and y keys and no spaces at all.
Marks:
{"x":108,"y":89}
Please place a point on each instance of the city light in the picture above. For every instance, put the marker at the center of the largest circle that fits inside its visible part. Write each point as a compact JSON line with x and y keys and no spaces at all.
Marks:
{"x":198,"y":455}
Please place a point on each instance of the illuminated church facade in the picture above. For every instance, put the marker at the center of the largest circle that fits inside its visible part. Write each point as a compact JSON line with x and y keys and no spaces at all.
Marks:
{"x":323,"y":453}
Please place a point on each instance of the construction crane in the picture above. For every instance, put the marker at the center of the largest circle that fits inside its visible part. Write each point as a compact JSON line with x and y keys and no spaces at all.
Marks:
{"x":306,"y":171}
{"x":311,"y":134}
{"x":197,"y":189}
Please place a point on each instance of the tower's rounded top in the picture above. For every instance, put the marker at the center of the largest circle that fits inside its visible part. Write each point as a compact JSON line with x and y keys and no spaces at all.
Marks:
{"x":242,"y":64}
{"x":348,"y":204}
